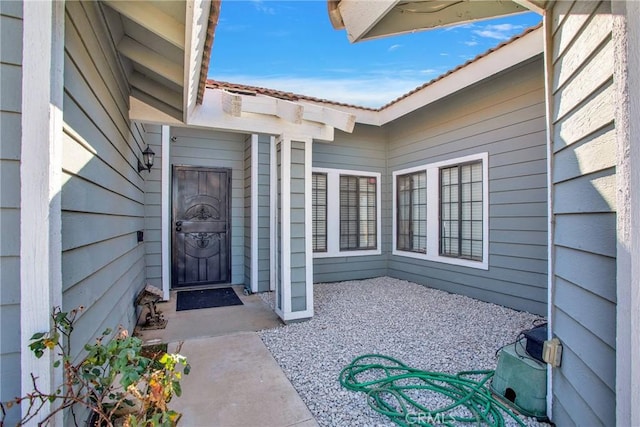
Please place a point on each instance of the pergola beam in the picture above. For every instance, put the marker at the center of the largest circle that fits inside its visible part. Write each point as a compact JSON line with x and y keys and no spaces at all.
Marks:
{"x":295,"y":112}
{"x":151,"y":18}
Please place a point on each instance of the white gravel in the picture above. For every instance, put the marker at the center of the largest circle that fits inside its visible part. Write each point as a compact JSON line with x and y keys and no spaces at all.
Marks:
{"x":424,"y":328}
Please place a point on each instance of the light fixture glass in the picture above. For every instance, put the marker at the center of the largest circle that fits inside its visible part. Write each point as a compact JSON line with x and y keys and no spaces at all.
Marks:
{"x":147,"y":160}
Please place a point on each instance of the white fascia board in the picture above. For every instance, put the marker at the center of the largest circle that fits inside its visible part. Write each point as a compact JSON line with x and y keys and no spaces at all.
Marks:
{"x":506,"y":57}
{"x":196,"y":24}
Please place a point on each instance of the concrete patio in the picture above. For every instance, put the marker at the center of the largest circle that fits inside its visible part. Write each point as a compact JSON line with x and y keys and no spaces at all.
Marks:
{"x":234,"y":380}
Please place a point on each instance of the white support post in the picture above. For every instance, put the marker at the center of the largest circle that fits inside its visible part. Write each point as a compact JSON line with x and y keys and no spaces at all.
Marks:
{"x":40,"y":187}
{"x":626,"y":40}
{"x":165,"y":185}
{"x":254,"y":213}
{"x":273,"y":210}
{"x":548,"y":79}
{"x":285,"y":224}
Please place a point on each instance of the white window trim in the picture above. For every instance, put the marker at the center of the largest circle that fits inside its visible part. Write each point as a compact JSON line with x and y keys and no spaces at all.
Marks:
{"x":333,"y":214}
{"x":433,"y":212}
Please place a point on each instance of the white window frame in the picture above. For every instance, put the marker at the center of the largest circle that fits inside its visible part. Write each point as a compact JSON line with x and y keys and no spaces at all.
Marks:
{"x":433,"y":212}
{"x":333,"y":214}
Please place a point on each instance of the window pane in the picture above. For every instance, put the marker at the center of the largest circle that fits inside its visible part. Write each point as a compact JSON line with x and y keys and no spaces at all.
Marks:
{"x":461,"y":211}
{"x":411,"y":212}
{"x":319,"y":211}
{"x":358,"y":214}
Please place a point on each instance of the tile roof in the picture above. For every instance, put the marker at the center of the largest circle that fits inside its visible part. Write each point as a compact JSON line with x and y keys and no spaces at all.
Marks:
{"x":289,"y":96}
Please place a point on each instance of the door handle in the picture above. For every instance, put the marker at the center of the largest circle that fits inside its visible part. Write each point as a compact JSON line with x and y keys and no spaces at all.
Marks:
{"x":178,"y":228}
{"x":178,"y":223}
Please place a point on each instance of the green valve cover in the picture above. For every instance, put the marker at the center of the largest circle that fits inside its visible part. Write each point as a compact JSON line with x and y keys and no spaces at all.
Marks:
{"x":521,"y":381}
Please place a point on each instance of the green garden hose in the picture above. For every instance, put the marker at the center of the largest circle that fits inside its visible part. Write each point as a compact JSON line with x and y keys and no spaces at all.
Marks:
{"x":391,"y":387}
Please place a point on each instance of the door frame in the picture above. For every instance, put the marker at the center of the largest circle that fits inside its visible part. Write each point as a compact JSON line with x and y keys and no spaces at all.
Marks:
{"x":229,"y":172}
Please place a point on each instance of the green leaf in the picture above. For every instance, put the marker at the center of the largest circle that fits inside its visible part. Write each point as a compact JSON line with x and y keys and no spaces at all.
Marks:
{"x":177,"y":389}
{"x":38,"y":335}
{"x":56,"y":363}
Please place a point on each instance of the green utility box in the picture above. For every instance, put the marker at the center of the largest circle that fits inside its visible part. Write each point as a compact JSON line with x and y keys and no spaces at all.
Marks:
{"x":522,"y":381}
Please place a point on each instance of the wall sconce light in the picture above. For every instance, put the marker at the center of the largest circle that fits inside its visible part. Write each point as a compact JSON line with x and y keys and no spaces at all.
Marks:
{"x":147,"y":160}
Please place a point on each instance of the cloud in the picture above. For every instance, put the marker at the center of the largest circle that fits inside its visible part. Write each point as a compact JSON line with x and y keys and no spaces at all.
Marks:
{"x":471,"y":43}
{"x":261,"y":7}
{"x":498,"y":31}
{"x":373,"y":91}
{"x":444,"y":54}
{"x":394,"y":47}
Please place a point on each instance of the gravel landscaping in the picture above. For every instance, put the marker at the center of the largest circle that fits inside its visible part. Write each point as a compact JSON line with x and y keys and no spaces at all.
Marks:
{"x":424,"y":328}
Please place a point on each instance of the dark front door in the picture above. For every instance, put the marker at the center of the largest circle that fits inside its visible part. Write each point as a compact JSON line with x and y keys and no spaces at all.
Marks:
{"x":201,"y":226}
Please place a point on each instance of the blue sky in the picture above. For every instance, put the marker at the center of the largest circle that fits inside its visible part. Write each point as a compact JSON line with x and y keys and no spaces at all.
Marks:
{"x":291,"y":46}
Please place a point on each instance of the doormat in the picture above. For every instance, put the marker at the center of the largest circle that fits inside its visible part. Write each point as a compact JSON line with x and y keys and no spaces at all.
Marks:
{"x":206,"y":298}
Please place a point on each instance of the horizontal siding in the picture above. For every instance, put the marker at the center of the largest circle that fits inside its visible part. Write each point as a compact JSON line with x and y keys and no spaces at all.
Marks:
{"x":584,"y":191}
{"x":264,"y":213}
{"x":196,"y":147}
{"x":153,"y":208}
{"x":102,"y":267}
{"x":247,"y":212}
{"x":363,"y":150}
{"x":503,"y":116}
{"x":298,"y":236}
{"x":10,"y":137}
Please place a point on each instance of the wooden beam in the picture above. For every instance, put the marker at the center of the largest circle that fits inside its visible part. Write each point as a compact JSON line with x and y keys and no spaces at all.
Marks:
{"x":151,"y":18}
{"x":330,"y":116}
{"x":231,"y":103}
{"x":289,"y":111}
{"x":156,"y":90}
{"x":137,"y":52}
{"x":360,"y":16}
{"x":209,"y":115}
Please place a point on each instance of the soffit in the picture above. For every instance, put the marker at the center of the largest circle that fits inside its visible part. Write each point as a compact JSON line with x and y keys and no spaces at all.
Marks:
{"x":161,"y":46}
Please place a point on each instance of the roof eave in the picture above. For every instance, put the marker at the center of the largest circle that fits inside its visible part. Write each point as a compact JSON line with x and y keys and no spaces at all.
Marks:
{"x":369,"y":20}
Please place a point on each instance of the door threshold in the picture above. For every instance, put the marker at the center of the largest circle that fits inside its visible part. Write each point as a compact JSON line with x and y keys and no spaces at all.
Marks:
{"x":204,"y":287}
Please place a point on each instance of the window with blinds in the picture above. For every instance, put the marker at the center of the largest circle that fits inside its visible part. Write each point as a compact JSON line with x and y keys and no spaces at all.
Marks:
{"x":358,"y":214}
{"x":411,"y":213}
{"x":461,"y":222}
{"x":319,"y":211}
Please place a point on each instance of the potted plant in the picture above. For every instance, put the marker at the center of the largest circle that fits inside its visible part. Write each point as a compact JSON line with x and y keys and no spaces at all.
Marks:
{"x":114,"y":380}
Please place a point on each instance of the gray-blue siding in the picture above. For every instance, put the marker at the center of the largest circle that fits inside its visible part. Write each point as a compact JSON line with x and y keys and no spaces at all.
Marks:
{"x":503,"y":116}
{"x":248,"y":171}
{"x":298,"y":236}
{"x":10,"y":137}
{"x":264,"y":213}
{"x":102,"y":192}
{"x":363,"y":150}
{"x":584,"y":183}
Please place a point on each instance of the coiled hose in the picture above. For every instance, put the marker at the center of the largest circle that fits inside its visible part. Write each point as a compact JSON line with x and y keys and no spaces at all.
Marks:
{"x":388,"y":384}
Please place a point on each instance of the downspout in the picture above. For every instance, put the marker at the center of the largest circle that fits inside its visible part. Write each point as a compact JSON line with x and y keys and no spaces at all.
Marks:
{"x":548,"y":84}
